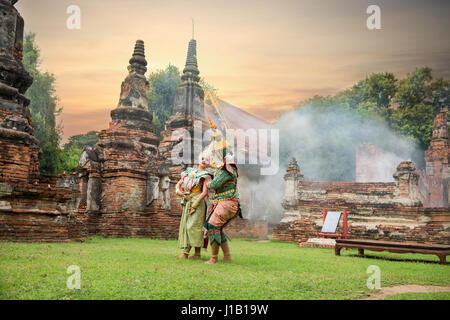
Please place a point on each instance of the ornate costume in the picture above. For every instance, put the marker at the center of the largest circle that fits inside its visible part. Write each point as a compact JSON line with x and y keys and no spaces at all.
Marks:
{"x":190,"y":232}
{"x":224,"y":204}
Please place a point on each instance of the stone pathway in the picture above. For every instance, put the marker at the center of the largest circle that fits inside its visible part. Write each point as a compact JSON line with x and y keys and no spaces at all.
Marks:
{"x":415,"y":288}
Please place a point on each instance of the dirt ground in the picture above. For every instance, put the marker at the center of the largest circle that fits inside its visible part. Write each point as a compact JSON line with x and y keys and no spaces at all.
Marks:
{"x":407,"y":288}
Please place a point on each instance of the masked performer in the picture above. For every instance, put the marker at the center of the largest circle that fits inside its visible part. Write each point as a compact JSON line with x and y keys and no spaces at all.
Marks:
{"x":224,"y":204}
{"x":192,"y":188}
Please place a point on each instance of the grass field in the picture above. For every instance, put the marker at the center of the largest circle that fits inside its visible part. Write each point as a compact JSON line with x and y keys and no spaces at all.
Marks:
{"x":147,"y":269}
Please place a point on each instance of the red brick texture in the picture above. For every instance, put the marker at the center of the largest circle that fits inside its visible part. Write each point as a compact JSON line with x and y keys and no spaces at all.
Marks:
{"x":244,"y":228}
{"x":377,"y":211}
{"x":37,"y":212}
{"x":426,"y":225}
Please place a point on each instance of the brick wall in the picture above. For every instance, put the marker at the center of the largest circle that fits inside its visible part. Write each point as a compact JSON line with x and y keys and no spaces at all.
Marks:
{"x":37,"y":212}
{"x":244,"y":228}
{"x":426,"y":225}
{"x":388,"y":211}
{"x":17,"y":161}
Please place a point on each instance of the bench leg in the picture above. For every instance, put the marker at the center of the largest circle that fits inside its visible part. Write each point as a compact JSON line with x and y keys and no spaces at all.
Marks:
{"x":361,"y":252}
{"x":442,"y":258}
{"x":337,"y":250}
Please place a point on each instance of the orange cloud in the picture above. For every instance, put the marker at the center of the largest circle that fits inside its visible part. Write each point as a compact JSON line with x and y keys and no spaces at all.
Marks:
{"x":263,"y":56}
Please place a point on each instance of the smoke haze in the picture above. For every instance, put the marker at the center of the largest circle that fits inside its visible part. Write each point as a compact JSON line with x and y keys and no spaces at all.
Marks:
{"x":324,"y":142}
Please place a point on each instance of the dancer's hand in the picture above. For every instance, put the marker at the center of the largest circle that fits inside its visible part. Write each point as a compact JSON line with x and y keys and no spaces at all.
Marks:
{"x":184,"y":195}
{"x":192,"y":210}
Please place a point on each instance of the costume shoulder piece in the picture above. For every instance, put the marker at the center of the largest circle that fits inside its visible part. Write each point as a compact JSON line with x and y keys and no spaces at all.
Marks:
{"x":231,"y":168}
{"x":188,"y":171}
{"x":192,"y":177}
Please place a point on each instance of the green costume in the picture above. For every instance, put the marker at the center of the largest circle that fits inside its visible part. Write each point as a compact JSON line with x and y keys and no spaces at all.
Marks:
{"x":224,"y":205}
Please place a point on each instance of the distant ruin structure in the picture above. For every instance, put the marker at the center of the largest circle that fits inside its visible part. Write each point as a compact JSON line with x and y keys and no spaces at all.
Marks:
{"x":414,"y":207}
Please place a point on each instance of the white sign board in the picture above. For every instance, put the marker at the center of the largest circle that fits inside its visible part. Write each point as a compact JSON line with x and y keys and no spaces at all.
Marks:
{"x":331,"y":221}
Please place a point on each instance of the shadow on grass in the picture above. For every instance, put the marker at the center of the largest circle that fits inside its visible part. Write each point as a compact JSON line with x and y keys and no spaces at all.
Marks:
{"x":391,"y":258}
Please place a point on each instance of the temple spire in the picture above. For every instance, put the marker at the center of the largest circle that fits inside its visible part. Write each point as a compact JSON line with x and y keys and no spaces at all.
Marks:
{"x":189,"y":98}
{"x":190,"y":70}
{"x":138,"y":63}
{"x":134,"y":90}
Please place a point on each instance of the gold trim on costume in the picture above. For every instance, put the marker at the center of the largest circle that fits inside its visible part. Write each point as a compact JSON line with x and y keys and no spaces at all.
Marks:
{"x":191,"y":195}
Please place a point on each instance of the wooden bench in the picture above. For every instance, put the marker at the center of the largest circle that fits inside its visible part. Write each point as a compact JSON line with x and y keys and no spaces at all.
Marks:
{"x":396,"y":247}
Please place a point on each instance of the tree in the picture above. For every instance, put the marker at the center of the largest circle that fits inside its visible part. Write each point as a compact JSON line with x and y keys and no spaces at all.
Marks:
{"x":419,"y":101}
{"x":371,"y":96}
{"x":440,"y":94}
{"x":415,"y":88}
{"x":43,"y":107}
{"x":206,"y":86}
{"x":379,"y":88}
{"x":82,"y":140}
{"x":415,"y":122}
{"x":163,"y":86}
{"x":72,"y":150}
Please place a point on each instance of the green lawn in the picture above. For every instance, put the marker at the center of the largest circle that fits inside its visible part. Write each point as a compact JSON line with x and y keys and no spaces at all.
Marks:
{"x":147,"y":269}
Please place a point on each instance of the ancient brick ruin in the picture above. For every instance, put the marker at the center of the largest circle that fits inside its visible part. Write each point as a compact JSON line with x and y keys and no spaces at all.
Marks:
{"x":434,"y":183}
{"x":374,"y":164}
{"x":125,"y":184}
{"x":32,"y":206}
{"x":412,"y":208}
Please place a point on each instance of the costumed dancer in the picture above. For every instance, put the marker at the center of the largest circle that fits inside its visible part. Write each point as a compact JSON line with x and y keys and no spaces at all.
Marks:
{"x":192,"y":188}
{"x":224,"y":204}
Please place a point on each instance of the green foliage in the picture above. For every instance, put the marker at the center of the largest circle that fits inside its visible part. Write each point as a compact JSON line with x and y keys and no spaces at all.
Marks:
{"x":206,"y":86}
{"x":146,"y":269}
{"x":43,"y":107}
{"x":377,"y":89}
{"x":414,"y":89}
{"x":367,"y":112}
{"x":80,"y":141}
{"x":440,"y":94}
{"x":71,"y":157}
{"x":163,"y":86}
{"x":416,"y":122}
{"x":419,"y":101}
{"x":74,"y":147}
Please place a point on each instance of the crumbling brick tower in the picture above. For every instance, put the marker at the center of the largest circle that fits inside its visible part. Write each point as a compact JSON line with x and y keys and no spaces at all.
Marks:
{"x":435,"y":182}
{"x":33,"y":207}
{"x":114,"y":172}
{"x":129,"y":144}
{"x":18,"y":146}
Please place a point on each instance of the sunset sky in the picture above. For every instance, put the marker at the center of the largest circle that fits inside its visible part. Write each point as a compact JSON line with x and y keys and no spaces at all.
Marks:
{"x":264,"y":56}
